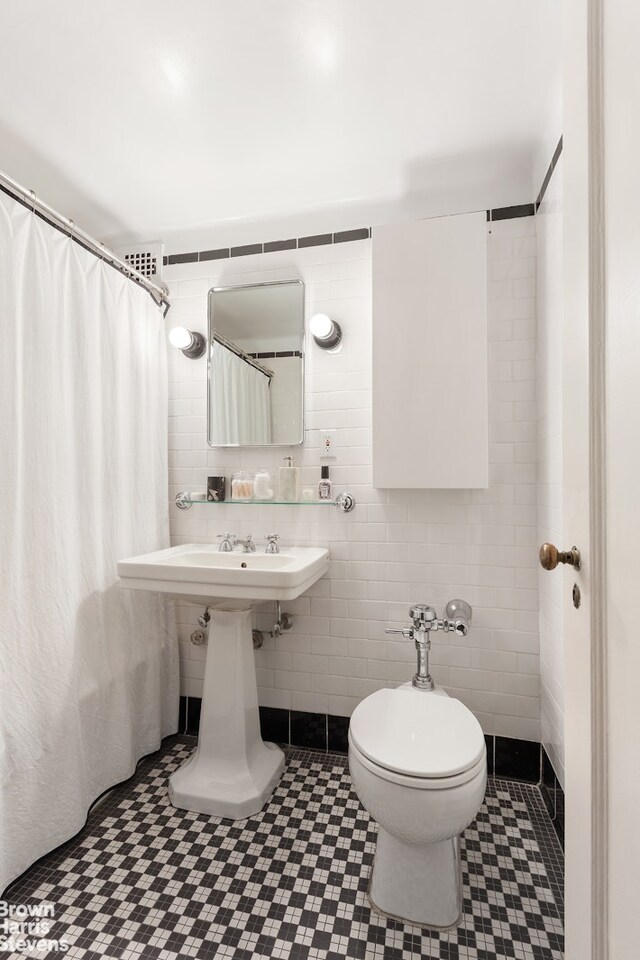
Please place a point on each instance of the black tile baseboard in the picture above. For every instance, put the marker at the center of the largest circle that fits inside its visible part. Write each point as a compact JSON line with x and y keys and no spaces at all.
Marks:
{"x":488,"y":739}
{"x":182,"y":716}
{"x":338,"y":734}
{"x":274,"y":724}
{"x":309,"y":730}
{"x":193,"y":715}
{"x":553,"y":795}
{"x":516,"y":759}
{"x":506,"y":756}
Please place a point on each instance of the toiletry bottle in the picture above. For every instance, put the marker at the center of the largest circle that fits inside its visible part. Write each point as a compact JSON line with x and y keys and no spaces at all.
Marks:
{"x":289,"y":481}
{"x":324,"y":487}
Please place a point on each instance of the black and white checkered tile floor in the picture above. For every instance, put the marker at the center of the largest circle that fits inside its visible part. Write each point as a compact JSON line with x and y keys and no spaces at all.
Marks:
{"x":144,"y":881}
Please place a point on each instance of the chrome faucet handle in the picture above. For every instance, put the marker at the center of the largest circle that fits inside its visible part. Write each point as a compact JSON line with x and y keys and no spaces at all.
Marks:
{"x":227,"y":542}
{"x":272,"y":543}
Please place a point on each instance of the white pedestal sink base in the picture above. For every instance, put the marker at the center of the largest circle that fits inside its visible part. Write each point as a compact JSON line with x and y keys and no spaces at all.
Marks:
{"x":232,"y":772}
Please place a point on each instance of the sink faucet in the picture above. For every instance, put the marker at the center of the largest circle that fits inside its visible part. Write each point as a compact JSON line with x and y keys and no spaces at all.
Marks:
{"x":248,"y":546}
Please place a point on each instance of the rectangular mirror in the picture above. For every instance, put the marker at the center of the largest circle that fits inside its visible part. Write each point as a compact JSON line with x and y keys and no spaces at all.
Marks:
{"x":256,"y":365}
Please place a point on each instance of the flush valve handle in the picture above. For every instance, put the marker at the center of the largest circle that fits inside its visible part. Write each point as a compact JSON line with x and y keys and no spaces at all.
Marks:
{"x":407,"y":632}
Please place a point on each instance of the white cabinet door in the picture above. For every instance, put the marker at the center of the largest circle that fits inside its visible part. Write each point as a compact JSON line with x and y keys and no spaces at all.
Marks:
{"x":430,"y":407}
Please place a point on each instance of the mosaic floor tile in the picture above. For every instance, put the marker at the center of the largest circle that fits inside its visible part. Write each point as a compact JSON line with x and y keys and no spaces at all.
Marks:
{"x":144,"y":881}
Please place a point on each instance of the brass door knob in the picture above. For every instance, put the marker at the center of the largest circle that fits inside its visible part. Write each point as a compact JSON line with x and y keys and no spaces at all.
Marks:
{"x":550,"y":557}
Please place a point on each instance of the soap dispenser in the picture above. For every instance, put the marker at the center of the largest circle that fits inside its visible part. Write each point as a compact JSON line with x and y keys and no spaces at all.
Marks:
{"x":289,"y":481}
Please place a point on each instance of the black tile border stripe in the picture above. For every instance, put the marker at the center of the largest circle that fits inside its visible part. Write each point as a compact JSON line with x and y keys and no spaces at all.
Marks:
{"x":347,"y":236}
{"x":276,"y":245}
{"x":275,"y":354}
{"x":511,"y":213}
{"x":181,"y":258}
{"x":221,"y":254}
{"x":317,"y":240}
{"x":247,"y":250}
{"x":549,"y":173}
{"x":271,"y":246}
{"x":506,"y":756}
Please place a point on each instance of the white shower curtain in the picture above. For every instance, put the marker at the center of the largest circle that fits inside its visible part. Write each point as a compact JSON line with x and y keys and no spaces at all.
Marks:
{"x":240,"y":400}
{"x":89,"y":679}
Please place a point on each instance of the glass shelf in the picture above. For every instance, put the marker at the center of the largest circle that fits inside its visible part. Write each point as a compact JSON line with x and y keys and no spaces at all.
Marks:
{"x":268,"y":503}
{"x":344,"y":502}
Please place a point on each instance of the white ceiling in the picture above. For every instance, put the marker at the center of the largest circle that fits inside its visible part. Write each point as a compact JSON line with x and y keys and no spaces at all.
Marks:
{"x":150,"y":117}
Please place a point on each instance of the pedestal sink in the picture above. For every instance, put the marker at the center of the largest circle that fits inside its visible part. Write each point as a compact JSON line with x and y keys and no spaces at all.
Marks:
{"x":232,"y":772}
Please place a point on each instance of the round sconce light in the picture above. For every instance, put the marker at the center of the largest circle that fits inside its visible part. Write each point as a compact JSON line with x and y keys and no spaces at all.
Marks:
{"x":325,"y":331}
{"x":192,"y":344}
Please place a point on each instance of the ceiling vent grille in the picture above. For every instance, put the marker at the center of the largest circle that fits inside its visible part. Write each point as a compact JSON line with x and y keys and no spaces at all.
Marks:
{"x":146,"y":258}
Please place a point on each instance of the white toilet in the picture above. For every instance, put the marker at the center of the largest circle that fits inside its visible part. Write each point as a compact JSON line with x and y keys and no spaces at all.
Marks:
{"x":418,"y":763}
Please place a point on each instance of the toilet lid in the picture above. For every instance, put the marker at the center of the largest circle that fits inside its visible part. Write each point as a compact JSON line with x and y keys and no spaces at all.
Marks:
{"x":417,"y":733}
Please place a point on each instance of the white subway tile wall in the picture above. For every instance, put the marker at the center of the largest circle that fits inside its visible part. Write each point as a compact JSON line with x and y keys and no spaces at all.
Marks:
{"x":396,"y":547}
{"x":550,"y":517}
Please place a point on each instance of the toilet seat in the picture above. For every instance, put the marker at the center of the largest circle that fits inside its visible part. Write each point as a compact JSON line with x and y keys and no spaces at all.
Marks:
{"x":479,"y":769}
{"x":405,"y":735}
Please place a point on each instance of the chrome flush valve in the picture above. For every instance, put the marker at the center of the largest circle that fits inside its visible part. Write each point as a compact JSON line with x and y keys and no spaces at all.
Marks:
{"x":425,"y":619}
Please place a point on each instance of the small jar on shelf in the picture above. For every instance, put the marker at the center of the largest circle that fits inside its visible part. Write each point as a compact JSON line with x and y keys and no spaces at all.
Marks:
{"x":263,"y":486}
{"x":242,"y":486}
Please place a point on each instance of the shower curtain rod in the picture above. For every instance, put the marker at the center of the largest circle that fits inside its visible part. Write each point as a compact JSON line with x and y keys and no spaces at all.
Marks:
{"x":243,"y":356}
{"x":28,"y":199}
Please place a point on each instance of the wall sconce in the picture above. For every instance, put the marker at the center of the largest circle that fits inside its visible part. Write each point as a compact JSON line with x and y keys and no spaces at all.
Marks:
{"x":192,"y":344}
{"x":325,"y":331}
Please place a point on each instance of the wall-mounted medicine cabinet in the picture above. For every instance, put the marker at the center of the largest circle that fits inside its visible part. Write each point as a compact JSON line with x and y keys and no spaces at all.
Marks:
{"x":430,"y":370}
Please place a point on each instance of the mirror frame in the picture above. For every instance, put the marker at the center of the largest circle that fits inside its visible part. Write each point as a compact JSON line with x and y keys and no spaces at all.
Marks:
{"x":210,"y":346}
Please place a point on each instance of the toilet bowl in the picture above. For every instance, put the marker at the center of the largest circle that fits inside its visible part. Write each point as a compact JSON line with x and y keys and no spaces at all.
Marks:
{"x":418,"y":765}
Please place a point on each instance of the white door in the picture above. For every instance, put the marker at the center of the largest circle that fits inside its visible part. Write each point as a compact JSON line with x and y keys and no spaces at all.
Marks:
{"x":578,"y":495}
{"x":601,"y":373}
